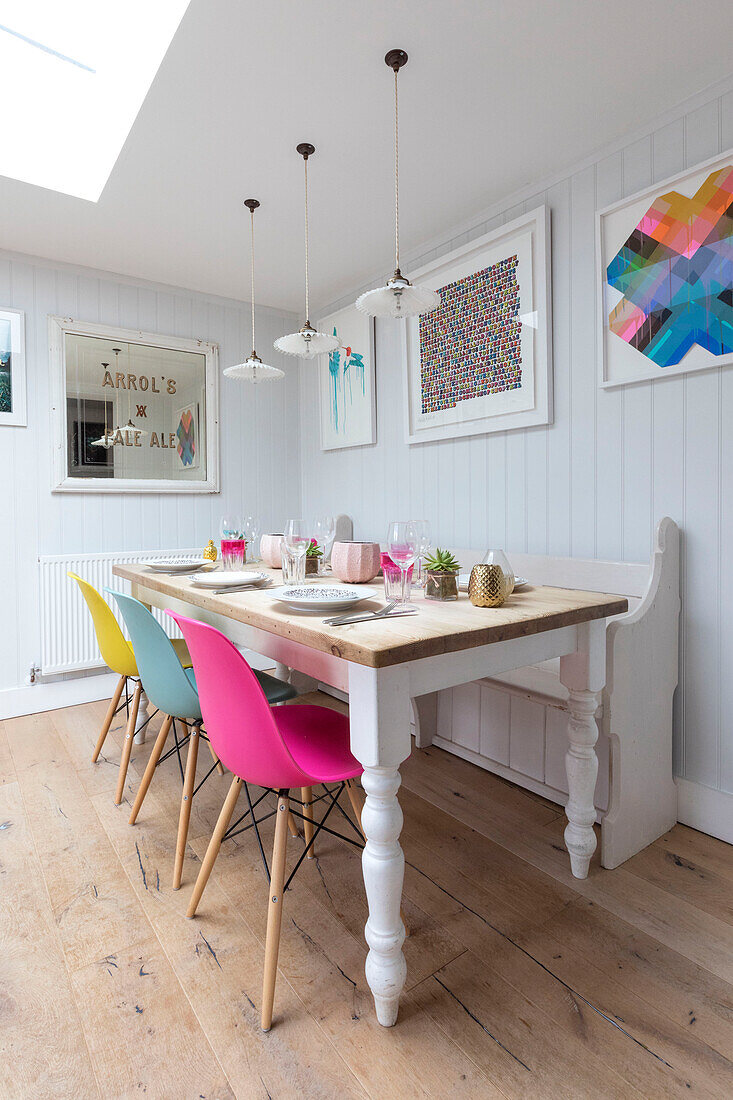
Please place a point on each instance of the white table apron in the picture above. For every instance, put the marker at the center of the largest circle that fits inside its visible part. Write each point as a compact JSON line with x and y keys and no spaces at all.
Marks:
{"x":379,"y":701}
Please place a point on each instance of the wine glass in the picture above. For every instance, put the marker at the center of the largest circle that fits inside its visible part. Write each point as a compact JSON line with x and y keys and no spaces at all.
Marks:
{"x":252,"y":532}
{"x":324,"y":531}
{"x":232,"y":542}
{"x":402,"y":545}
{"x":297,"y":539}
{"x":422,"y":530}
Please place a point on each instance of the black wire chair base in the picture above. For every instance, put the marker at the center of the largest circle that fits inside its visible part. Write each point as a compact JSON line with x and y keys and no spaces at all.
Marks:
{"x":319,"y":826}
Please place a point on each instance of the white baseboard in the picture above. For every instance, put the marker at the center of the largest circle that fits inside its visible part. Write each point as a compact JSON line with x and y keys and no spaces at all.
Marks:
{"x":63,"y":693}
{"x":705,"y":809}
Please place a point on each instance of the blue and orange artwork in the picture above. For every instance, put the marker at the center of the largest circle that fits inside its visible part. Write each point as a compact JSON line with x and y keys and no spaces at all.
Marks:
{"x":186,"y":433}
{"x":347,"y":373}
{"x":675,"y":273}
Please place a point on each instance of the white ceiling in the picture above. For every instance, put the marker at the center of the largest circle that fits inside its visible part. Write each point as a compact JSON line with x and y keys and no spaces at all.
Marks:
{"x":497,"y":94}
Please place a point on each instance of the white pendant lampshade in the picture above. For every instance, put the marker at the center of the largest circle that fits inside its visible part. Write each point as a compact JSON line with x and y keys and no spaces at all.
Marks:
{"x":253,"y":369}
{"x":399,"y":298}
{"x":307,"y":343}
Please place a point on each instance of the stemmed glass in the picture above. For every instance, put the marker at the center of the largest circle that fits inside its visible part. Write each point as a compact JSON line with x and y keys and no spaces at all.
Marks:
{"x":402,"y":545}
{"x":232,"y":542}
{"x":297,"y":540}
{"x":422,"y":530}
{"x":252,"y":532}
{"x":324,"y":531}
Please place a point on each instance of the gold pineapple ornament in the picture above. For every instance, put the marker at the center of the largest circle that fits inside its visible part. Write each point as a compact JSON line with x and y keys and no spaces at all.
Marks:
{"x":210,"y":553}
{"x":487,"y":586}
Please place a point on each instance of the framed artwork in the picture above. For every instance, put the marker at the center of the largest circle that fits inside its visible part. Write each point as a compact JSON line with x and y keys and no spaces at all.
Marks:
{"x":346,"y":382}
{"x":187,"y":436}
{"x":132,"y":412}
{"x":12,"y":367}
{"x":665,"y":277}
{"x":482,"y":361}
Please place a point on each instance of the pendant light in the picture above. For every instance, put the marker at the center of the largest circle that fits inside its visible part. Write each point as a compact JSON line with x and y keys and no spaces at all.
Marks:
{"x":107,"y":439}
{"x":399,"y":298}
{"x":307,"y":343}
{"x":253,"y":369}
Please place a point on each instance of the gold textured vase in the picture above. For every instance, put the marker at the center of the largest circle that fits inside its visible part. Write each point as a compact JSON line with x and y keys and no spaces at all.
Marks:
{"x":487,"y":586}
{"x":210,"y":552}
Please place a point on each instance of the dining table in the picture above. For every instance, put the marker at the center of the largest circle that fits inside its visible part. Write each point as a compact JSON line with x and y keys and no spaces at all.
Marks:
{"x":392,"y":671}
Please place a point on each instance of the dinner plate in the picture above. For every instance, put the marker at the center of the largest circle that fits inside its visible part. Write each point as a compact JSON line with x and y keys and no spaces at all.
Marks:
{"x":464,"y":578}
{"x":322,"y":597}
{"x":181,"y":564}
{"x":230,"y":578}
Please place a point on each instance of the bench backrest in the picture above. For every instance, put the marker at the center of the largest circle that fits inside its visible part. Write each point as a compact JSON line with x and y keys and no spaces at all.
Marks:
{"x":619,"y":578}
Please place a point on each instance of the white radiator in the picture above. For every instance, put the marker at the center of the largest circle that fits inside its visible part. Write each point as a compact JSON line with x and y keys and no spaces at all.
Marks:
{"x":68,"y":641}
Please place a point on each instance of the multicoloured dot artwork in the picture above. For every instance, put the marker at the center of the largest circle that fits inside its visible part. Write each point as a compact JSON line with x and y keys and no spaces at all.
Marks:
{"x":471,"y":345}
{"x":186,"y":433}
{"x":675,"y":272}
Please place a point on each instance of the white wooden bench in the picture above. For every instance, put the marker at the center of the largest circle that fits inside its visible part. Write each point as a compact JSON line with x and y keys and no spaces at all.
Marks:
{"x":516,"y":725}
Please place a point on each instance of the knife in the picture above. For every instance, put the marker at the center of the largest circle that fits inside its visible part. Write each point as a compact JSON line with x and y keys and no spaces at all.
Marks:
{"x":368,"y":618}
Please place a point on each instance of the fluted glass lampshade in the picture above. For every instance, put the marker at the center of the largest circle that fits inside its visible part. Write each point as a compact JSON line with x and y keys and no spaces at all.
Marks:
{"x":254,"y":370}
{"x":307,"y":343}
{"x":399,"y":298}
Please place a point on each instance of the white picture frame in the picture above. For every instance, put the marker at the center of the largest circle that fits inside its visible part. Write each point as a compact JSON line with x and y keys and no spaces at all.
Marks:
{"x":12,"y":322}
{"x":59,"y":327}
{"x":619,"y":363}
{"x":347,"y":401}
{"x":527,"y":238}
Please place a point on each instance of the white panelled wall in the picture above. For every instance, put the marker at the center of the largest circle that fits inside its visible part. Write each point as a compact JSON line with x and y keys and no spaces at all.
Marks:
{"x":259,"y":441}
{"x":593,"y":483}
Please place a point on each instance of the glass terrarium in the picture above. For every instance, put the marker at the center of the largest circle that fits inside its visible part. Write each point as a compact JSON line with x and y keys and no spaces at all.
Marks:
{"x":498,"y":557}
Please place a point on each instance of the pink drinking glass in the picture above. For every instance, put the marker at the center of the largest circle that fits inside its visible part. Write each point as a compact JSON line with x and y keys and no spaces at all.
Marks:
{"x":393,"y":586}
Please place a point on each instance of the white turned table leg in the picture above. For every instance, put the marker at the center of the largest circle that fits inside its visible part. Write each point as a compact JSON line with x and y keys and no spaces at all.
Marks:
{"x":379,"y":711}
{"x":581,"y":764}
{"x":584,"y":675}
{"x":142,"y":717}
{"x":383,"y":866}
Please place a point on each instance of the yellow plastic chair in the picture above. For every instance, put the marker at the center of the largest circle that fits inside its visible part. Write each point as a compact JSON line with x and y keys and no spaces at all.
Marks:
{"x":119,"y":655}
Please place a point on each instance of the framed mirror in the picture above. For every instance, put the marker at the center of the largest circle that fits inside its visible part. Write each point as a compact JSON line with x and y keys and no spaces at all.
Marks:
{"x":132,"y":411}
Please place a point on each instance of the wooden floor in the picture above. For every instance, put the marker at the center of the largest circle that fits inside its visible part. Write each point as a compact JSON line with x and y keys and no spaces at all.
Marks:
{"x":522,"y":981}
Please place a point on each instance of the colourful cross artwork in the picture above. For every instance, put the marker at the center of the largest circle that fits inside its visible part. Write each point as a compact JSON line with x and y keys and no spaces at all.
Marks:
{"x":675,"y":272}
{"x":186,"y":433}
{"x":471,"y":345}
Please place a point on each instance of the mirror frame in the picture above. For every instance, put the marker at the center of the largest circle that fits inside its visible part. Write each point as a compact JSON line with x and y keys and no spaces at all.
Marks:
{"x":61,"y":482}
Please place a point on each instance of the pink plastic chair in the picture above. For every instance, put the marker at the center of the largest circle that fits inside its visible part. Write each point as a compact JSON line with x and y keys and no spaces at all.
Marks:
{"x":276,"y":748}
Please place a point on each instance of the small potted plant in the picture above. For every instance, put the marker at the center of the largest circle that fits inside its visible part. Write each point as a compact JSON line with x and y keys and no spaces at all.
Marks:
{"x":442,"y":576}
{"x":313,"y":557}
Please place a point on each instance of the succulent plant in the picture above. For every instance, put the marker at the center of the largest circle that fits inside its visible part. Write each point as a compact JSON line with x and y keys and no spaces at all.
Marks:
{"x":442,"y":561}
{"x":314,"y":550}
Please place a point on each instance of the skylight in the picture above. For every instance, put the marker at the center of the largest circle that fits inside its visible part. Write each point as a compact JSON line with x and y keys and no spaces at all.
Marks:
{"x":75,"y":75}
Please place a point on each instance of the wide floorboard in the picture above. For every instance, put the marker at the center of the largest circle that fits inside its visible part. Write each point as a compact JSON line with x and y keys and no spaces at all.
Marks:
{"x":522,"y":981}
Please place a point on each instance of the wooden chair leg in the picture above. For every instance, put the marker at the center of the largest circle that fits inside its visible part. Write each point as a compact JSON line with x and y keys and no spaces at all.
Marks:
{"x":215,"y":758}
{"x":186,"y":800}
{"x":214,"y":845}
{"x":306,"y":794}
{"x":357,"y":804}
{"x":294,"y":830}
{"x":150,"y":769}
{"x":127,"y":746}
{"x":113,"y":704}
{"x":275,"y":909}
